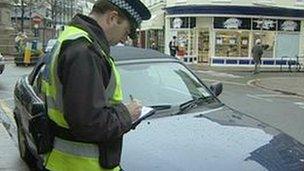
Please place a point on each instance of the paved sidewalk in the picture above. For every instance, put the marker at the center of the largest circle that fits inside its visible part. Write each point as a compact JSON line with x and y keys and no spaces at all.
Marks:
{"x":9,"y":155}
{"x":286,"y":82}
{"x":286,"y":85}
{"x":9,"y":58}
{"x":207,"y":67}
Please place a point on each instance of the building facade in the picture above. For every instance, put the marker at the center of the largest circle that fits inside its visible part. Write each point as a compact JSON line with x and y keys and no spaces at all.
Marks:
{"x":6,"y":30}
{"x":223,"y":32}
{"x":44,"y":20}
{"x":152,"y":32}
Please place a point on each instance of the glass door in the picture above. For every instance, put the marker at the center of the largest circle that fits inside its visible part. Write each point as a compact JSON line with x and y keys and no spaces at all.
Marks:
{"x":203,"y":44}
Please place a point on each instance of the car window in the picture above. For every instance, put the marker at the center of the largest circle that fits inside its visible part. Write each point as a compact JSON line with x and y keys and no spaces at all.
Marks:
{"x":50,"y":44}
{"x":160,"y":83}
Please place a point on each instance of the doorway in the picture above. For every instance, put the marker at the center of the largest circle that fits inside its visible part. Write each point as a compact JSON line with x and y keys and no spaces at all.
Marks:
{"x":203,"y":45}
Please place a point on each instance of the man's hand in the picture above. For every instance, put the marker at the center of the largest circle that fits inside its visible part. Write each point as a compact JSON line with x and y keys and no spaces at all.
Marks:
{"x":134,"y":108}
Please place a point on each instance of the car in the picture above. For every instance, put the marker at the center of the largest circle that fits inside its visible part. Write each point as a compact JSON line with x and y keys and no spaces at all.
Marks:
{"x":191,"y":128}
{"x":2,"y":63}
{"x":50,"y":45}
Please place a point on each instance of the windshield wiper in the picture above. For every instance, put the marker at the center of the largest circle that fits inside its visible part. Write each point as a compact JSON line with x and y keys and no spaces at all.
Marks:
{"x":191,"y":104}
{"x":161,"y":107}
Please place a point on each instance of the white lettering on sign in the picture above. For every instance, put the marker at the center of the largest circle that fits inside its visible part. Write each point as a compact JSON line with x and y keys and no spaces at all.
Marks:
{"x":289,"y":25}
{"x":265,"y":24}
{"x":177,"y":23}
{"x":232,"y":23}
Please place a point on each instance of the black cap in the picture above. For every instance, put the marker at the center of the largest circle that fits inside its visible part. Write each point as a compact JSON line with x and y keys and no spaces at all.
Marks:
{"x":135,"y":10}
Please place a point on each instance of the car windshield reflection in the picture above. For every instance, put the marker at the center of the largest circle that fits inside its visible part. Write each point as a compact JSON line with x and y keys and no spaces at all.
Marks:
{"x":162,"y":85}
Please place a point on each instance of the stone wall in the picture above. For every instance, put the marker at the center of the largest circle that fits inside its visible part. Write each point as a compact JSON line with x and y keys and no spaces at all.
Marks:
{"x":7,"y":43}
{"x":6,"y":30}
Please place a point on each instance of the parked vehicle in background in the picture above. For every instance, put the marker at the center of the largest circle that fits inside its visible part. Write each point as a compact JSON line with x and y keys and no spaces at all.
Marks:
{"x":2,"y":63}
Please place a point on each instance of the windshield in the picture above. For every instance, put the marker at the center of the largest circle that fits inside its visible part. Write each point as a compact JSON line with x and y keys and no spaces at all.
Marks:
{"x":160,"y":83}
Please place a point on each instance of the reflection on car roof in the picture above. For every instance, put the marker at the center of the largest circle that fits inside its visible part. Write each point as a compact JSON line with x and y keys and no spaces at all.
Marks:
{"x":121,"y":53}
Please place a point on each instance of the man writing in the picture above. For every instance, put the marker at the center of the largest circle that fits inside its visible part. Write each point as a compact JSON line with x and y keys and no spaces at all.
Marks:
{"x":83,"y":93}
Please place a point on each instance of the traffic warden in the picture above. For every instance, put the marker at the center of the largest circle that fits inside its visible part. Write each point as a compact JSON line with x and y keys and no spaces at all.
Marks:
{"x":83,"y":89}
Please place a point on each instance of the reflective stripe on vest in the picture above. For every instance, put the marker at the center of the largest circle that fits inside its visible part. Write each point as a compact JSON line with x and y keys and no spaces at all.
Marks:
{"x":87,"y":150}
{"x":51,"y":86}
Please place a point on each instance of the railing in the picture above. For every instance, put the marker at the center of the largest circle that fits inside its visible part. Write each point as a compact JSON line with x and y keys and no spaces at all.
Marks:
{"x":293,"y":63}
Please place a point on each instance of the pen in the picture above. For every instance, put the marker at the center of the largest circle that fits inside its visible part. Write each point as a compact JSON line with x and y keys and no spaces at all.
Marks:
{"x":131,"y":97}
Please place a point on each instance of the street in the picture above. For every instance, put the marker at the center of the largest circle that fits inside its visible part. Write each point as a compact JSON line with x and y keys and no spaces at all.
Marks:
{"x":10,"y":159}
{"x":7,"y":82}
{"x":282,"y":111}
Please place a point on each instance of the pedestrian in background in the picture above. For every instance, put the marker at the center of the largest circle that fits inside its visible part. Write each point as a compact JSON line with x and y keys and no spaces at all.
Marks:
{"x":20,"y":42}
{"x":153,"y":45}
{"x":173,"y":46}
{"x":257,"y":52}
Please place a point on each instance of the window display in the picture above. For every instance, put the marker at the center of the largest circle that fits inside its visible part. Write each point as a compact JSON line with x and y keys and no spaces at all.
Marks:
{"x":155,"y":40}
{"x":192,"y":43}
{"x":203,"y":45}
{"x":234,"y":37}
{"x":232,"y":44}
{"x":186,"y":41}
{"x":182,"y":42}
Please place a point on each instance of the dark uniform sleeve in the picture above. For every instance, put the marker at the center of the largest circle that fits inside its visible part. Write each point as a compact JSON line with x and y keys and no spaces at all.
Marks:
{"x":82,"y":73}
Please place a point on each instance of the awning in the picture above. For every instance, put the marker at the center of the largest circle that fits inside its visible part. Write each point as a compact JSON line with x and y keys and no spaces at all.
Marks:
{"x":156,"y":22}
{"x":236,"y":10}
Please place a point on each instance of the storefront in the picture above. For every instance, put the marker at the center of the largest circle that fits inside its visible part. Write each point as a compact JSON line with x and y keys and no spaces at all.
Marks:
{"x":225,"y":36}
{"x":152,"y":31}
{"x":152,"y":39}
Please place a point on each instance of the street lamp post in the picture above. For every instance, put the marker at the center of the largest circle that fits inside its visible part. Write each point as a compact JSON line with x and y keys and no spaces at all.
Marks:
{"x":22,"y":16}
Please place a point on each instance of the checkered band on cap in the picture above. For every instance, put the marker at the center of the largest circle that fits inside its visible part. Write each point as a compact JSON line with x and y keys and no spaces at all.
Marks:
{"x":124,"y":5}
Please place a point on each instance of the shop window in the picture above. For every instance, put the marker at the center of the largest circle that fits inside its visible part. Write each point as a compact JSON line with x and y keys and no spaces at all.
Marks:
{"x":182,"y":42}
{"x":203,"y":45}
{"x":183,"y":22}
{"x":186,"y":41}
{"x":232,"y":44}
{"x":268,"y":40}
{"x":155,"y":40}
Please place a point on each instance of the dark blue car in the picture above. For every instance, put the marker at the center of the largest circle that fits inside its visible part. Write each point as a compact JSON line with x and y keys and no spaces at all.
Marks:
{"x":192,"y":130}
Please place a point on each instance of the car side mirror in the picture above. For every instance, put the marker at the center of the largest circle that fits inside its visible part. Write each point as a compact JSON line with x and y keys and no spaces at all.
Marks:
{"x":216,"y":88}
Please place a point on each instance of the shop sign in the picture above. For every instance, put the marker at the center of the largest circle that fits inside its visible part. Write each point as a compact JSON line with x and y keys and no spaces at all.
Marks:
{"x":177,"y":23}
{"x":231,"y":23}
{"x":289,"y":25}
{"x":264,"y":24}
{"x":183,"y":22}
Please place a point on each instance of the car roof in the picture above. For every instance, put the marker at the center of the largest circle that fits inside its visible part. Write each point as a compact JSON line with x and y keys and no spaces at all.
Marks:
{"x":123,"y":53}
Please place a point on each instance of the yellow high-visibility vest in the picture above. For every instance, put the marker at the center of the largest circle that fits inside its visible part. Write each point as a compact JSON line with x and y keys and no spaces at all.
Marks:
{"x":69,"y":155}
